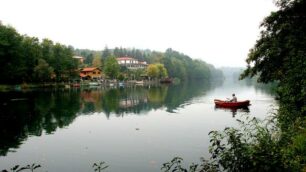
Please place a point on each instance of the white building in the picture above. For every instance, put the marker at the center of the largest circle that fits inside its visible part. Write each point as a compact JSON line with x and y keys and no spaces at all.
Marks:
{"x":131,"y":63}
{"x":79,"y":58}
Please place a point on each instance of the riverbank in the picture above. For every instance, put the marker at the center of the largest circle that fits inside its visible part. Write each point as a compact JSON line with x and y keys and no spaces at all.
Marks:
{"x":87,"y":83}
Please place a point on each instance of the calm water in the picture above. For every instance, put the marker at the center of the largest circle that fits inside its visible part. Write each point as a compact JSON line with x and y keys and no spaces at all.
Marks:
{"x":131,"y":129}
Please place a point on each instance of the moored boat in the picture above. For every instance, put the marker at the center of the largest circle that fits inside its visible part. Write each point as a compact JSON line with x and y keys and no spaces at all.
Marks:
{"x":166,"y":81}
{"x":237,"y":104}
{"x":121,"y":84}
{"x":139,"y":82}
{"x":94,"y":83}
{"x":75,"y":85}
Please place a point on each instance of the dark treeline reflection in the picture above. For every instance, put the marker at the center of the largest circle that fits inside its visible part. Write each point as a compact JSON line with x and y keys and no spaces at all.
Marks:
{"x":31,"y":113}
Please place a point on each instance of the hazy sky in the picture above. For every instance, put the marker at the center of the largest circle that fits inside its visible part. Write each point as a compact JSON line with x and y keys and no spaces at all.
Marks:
{"x":220,"y":32}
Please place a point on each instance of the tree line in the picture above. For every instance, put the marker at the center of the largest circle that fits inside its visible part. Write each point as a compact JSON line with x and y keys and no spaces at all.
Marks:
{"x":25,"y":59}
{"x":175,"y":64}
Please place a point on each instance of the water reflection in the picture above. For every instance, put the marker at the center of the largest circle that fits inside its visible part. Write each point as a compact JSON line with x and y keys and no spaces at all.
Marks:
{"x":233,"y":110}
{"x":139,"y":99}
{"x":24,"y":114}
{"x":33,"y":113}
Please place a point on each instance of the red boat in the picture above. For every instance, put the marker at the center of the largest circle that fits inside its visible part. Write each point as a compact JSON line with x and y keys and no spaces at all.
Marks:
{"x":222,"y":103}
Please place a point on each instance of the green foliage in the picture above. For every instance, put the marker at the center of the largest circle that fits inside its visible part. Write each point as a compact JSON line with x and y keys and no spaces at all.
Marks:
{"x":175,"y":165}
{"x":88,"y":55}
{"x":63,"y":63}
{"x":18,"y":168}
{"x":43,"y":72}
{"x":162,"y":71}
{"x":10,"y":46}
{"x":96,"y":61}
{"x":105,"y":53}
{"x":157,"y":71}
{"x":111,"y":67}
{"x":152,"y":71}
{"x":279,"y":55}
{"x":20,"y":56}
{"x":183,"y":67}
{"x":30,"y":52}
{"x":201,"y":70}
{"x":121,"y":77}
{"x":122,"y":52}
{"x":177,"y":65}
{"x":135,"y":74}
{"x":246,"y":148}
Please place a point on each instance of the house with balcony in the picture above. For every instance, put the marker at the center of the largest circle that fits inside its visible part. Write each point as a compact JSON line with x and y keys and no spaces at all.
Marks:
{"x":131,"y":63}
{"x":90,"y":73}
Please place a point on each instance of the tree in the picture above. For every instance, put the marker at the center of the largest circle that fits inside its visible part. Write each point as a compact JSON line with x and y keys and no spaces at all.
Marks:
{"x":279,"y":55}
{"x":47,"y":50}
{"x":162,"y":71}
{"x":152,"y":71}
{"x":43,"y":72}
{"x":111,"y":67}
{"x":96,"y":61}
{"x":20,"y":54}
{"x":106,"y":53}
{"x":157,"y":71}
{"x":31,"y":51}
{"x":10,"y":45}
{"x":176,"y":64}
{"x":62,"y":62}
{"x":88,"y":58}
{"x":201,"y":71}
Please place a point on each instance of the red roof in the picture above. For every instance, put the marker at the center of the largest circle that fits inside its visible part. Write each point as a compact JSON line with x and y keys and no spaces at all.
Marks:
{"x":88,"y":69}
{"x":125,"y":58}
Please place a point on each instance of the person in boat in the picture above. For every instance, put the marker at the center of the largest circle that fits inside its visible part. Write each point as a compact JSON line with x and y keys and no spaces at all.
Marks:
{"x":234,"y":99}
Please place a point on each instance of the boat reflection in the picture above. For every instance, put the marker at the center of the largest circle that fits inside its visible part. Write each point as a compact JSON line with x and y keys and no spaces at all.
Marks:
{"x":233,"y":110}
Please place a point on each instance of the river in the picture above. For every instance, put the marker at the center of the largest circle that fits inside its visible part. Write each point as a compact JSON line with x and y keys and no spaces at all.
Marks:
{"x":132,"y":129}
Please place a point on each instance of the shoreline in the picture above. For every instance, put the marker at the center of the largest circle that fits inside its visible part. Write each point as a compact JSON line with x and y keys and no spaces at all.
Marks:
{"x":70,"y":85}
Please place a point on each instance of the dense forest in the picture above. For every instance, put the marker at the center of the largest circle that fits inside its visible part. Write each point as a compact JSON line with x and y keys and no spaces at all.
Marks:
{"x":26,"y":59}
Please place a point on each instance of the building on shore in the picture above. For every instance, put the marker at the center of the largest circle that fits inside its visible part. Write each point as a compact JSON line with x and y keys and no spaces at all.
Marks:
{"x":79,"y":58}
{"x":90,"y":73}
{"x":131,"y":63}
